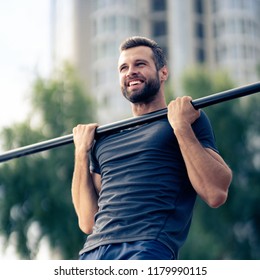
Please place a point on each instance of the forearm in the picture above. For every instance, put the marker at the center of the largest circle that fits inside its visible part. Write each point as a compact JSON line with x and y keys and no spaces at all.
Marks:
{"x":84,"y":194}
{"x":208,"y":173}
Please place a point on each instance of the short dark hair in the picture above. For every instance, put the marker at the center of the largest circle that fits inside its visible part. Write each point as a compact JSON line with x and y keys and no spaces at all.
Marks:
{"x":137,"y":41}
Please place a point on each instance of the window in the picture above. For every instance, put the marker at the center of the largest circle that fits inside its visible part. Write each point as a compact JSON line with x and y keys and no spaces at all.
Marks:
{"x":200,"y":30}
{"x":159,"y":28}
{"x":198,"y":5}
{"x":159,"y":5}
{"x":200,"y":53}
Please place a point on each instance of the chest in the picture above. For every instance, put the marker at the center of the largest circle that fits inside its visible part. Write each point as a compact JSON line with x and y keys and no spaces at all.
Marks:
{"x":153,"y":142}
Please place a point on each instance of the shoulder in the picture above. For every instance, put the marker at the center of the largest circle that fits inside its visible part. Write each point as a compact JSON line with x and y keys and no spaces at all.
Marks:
{"x":203,"y":122}
{"x":204,"y":131}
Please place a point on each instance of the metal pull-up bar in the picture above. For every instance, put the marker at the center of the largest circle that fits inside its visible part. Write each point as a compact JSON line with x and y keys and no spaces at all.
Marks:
{"x":130,"y":122}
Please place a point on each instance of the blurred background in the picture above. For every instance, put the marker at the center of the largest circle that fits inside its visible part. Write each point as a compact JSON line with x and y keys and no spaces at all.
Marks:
{"x":59,"y":68}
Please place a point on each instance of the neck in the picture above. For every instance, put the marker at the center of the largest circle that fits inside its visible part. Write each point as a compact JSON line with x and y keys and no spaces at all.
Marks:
{"x":139,"y":109}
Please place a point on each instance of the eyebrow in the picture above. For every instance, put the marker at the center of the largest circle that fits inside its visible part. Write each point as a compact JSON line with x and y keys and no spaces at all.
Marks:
{"x":141,"y":60}
{"x":136,"y":61}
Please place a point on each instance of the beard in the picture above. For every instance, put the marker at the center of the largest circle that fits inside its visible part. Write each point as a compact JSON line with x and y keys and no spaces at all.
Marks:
{"x":144,"y":95}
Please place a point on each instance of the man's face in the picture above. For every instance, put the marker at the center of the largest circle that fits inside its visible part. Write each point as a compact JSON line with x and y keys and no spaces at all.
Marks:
{"x":139,"y":79}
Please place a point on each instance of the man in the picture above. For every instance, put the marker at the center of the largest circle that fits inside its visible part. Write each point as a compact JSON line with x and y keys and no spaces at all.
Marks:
{"x":134,"y":190}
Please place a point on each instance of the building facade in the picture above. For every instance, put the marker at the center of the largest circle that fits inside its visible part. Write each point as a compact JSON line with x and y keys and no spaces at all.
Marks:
{"x":220,"y":34}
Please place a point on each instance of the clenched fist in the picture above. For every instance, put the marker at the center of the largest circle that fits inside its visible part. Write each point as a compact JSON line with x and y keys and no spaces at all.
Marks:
{"x":181,"y":112}
{"x":83,"y":136}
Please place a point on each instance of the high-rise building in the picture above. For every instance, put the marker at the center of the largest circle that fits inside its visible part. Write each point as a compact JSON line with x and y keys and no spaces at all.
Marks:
{"x":220,"y":34}
{"x":100,"y":28}
{"x":234,"y":38}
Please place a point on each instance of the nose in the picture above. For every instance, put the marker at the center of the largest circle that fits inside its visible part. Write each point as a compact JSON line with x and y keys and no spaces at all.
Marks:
{"x":131,"y":71}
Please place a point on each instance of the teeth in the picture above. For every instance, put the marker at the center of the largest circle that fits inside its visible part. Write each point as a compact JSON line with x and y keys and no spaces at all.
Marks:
{"x":132,"y":83}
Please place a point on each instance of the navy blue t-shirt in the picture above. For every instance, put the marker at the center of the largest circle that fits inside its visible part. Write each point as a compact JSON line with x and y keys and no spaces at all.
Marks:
{"x":146,"y":193}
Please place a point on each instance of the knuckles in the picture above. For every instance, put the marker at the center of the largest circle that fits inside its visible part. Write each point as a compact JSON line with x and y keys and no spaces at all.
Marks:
{"x":88,"y":128}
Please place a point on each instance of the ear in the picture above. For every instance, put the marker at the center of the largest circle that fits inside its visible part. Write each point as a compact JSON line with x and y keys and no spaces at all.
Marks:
{"x":164,"y":73}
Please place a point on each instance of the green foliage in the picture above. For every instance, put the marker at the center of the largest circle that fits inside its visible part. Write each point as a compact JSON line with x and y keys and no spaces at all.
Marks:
{"x":233,"y":230}
{"x":168,"y":92}
{"x":35,"y":190}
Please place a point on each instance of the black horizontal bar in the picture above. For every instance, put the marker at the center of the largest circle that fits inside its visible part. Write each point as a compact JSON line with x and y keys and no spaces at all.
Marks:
{"x":130,"y":122}
{"x":226,"y":95}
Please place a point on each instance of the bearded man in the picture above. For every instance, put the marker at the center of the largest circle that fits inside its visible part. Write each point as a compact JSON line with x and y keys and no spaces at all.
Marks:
{"x":134,"y":190}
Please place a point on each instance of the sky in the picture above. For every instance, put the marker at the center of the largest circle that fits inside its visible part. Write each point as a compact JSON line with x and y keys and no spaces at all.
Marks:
{"x":24,"y":51}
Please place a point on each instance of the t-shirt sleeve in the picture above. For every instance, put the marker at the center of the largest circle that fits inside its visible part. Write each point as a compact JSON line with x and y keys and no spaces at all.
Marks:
{"x":204,"y":132}
{"x":94,"y":165}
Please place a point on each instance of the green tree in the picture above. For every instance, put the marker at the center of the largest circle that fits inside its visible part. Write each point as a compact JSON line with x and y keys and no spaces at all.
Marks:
{"x":233,"y":230}
{"x":35,"y":198}
{"x":169,"y":93}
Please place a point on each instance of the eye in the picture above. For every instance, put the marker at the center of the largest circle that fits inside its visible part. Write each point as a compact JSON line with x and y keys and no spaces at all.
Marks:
{"x":122,"y":68}
{"x":140,"y":64}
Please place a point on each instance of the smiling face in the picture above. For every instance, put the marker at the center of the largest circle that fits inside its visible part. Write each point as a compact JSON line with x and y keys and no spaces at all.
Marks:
{"x":139,"y":78}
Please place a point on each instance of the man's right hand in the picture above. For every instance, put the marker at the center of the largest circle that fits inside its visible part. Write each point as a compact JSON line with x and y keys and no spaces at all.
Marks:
{"x":83,"y":136}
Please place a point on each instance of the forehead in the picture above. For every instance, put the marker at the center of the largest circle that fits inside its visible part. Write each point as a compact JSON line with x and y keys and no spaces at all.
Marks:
{"x":136,"y":53}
